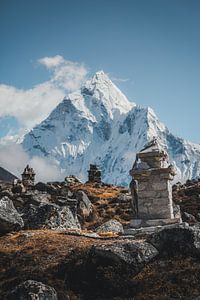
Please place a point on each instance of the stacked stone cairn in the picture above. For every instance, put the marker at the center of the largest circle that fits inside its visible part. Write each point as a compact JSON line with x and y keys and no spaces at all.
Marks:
{"x":153,"y":175}
{"x":94,"y":174}
{"x":26,"y":183}
{"x":28,"y":177}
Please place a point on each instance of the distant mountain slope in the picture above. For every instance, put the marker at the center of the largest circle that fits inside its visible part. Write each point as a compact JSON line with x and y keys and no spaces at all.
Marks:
{"x":6,"y":175}
{"x":98,"y":124}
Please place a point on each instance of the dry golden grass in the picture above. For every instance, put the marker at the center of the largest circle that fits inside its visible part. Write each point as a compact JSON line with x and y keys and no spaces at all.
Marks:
{"x":96,"y":193}
{"x":108,"y":234}
{"x":105,"y":204}
{"x":175,"y":278}
{"x":38,"y":255}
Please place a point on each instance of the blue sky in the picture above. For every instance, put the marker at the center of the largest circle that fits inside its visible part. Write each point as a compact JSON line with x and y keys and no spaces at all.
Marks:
{"x":154,"y":44}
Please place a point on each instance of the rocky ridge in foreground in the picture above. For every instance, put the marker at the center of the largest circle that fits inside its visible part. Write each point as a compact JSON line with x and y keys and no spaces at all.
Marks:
{"x":61,"y":256}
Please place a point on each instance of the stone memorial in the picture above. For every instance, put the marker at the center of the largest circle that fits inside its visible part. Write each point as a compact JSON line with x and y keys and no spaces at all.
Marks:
{"x":151,"y":188}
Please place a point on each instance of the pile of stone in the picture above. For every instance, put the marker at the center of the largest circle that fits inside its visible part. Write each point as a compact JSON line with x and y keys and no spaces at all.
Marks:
{"x":94,"y":174}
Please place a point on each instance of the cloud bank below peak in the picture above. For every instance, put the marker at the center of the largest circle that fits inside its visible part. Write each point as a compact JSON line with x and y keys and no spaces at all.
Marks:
{"x":14,"y":159}
{"x":31,"y":106}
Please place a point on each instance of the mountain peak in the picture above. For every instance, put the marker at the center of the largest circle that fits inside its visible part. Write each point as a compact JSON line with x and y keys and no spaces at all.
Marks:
{"x":100,"y":78}
{"x":105,"y":91}
{"x":98,"y":124}
{"x":100,"y":74}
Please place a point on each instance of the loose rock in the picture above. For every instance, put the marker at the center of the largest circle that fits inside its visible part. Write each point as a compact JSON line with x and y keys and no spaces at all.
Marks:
{"x":49,"y":216}
{"x":189,"y":218}
{"x":85,"y":207}
{"x":32,"y":290}
{"x":10,"y":219}
{"x":111,"y":226}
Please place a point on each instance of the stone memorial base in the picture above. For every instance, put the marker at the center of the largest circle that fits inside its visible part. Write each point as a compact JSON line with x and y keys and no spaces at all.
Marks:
{"x":138,"y":223}
{"x":152,"y":229}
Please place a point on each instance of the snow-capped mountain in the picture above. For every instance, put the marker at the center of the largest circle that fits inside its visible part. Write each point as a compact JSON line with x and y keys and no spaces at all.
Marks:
{"x":97,"y":124}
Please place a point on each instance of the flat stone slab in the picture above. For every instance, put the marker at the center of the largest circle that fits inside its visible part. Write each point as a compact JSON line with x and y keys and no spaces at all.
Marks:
{"x":137,"y":223}
{"x":151,"y":229}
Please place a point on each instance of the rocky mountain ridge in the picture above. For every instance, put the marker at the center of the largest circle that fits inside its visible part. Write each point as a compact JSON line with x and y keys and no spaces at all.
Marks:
{"x":5,"y":175}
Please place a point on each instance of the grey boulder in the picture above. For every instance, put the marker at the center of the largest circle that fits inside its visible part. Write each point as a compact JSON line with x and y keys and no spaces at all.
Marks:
{"x":44,"y":187}
{"x":32,"y":290}
{"x":10,"y":219}
{"x":110,"y":267}
{"x":36,"y":198}
{"x":111,"y":226}
{"x":131,"y":256}
{"x":85,"y":207}
{"x":180,"y":239}
{"x":49,"y":216}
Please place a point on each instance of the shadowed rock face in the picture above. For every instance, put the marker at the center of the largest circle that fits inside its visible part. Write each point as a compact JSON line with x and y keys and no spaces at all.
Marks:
{"x":10,"y":219}
{"x":108,"y":268}
{"x":32,"y":290}
{"x":6,"y":175}
{"x":131,"y":256}
{"x":177,"y":240}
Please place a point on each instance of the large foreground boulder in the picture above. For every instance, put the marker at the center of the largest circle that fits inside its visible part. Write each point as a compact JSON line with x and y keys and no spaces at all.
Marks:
{"x":10,"y":219}
{"x":32,"y":290}
{"x":108,"y":268}
{"x":180,"y":239}
{"x":111,"y":226}
{"x":130,"y":256}
{"x":49,"y":216}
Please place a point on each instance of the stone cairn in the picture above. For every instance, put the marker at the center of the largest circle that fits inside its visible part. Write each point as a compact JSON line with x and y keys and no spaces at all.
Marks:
{"x":94,"y":174}
{"x":28,"y":177}
{"x":152,"y":189}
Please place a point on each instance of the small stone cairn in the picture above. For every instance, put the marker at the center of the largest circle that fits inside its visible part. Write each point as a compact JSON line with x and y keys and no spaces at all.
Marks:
{"x":28,"y":177}
{"x":94,"y":174}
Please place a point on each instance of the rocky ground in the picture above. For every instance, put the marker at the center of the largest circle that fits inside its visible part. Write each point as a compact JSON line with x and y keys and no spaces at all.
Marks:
{"x":188,"y":197}
{"x":50,"y":252}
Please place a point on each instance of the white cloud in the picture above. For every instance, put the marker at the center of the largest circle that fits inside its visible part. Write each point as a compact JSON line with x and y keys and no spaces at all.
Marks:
{"x":66,"y":74}
{"x":30,"y":107}
{"x":14,"y":159}
{"x":33,"y":105}
{"x":51,"y":62}
{"x":45,"y":169}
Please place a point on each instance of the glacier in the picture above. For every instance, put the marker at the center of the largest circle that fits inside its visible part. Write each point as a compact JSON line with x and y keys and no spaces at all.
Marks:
{"x":98,"y":124}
